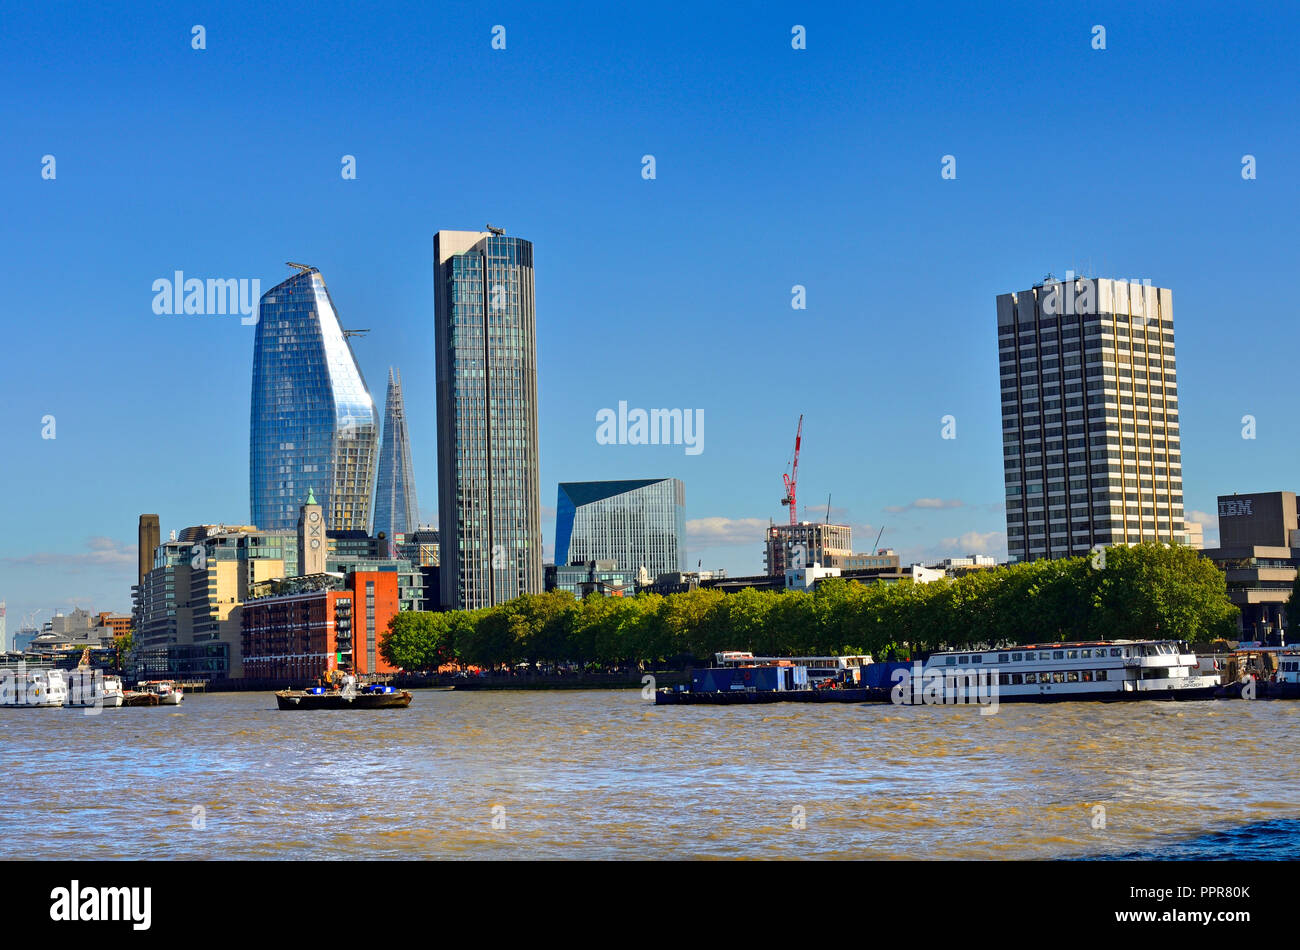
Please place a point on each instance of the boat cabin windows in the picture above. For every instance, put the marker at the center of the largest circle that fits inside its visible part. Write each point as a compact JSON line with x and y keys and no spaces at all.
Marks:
{"x":1071,"y":654}
{"x":1101,"y":675}
{"x":1017,"y":657}
{"x":1116,"y":651}
{"x":1004,"y":658}
{"x":1032,"y":678}
{"x":1058,"y":655}
{"x":1072,"y":677}
{"x":977,"y":658}
{"x":950,"y":660}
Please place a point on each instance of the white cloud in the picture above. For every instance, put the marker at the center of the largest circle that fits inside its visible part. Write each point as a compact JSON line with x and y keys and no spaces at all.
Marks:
{"x":709,"y":532}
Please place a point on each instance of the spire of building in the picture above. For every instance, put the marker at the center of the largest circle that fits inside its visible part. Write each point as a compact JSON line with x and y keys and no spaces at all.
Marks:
{"x":396,"y":510}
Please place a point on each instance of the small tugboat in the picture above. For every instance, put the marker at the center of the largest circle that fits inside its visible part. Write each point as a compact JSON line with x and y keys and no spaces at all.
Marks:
{"x":342,"y":692}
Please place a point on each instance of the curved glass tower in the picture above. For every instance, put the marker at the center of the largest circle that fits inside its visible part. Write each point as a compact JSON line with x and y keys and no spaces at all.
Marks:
{"x":395,"y":505}
{"x":313,"y":421}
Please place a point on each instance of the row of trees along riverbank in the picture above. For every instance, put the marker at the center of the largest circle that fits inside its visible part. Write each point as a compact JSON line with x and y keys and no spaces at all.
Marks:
{"x":1131,"y":593}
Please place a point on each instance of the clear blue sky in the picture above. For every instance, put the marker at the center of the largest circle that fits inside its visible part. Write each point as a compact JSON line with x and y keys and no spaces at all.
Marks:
{"x":775,"y":167}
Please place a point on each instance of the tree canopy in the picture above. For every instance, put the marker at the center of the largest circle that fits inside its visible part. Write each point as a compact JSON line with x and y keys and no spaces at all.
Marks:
{"x":1147,"y":590}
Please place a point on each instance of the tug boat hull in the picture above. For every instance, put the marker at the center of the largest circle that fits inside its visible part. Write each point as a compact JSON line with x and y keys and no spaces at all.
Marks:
{"x":301,"y":699}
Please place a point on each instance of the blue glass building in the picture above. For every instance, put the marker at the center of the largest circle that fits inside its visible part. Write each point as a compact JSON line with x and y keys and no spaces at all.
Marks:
{"x":634,"y":522}
{"x":489,"y":498}
{"x":396,"y":510}
{"x":313,"y":424}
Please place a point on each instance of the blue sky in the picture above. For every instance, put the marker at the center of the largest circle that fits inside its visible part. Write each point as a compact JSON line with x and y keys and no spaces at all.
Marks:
{"x":775,"y":167}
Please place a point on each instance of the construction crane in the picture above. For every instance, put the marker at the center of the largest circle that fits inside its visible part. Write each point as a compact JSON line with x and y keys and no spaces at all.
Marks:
{"x":302,"y":268}
{"x":352,"y":333}
{"x":793,"y":477}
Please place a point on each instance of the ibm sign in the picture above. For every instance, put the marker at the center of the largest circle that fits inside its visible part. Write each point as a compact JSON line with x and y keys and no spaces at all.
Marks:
{"x":1230,"y":507}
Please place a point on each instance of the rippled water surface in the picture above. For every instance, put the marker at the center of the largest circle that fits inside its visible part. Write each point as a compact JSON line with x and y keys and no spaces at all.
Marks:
{"x":603,"y":774}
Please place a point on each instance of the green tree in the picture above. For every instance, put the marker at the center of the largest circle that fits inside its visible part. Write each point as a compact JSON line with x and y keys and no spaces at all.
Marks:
{"x":418,"y":640}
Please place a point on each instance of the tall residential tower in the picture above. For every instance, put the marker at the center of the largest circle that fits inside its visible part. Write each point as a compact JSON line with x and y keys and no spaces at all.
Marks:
{"x":489,"y":499}
{"x":395,"y":506}
{"x":1089,"y":417}
{"x":313,"y":421}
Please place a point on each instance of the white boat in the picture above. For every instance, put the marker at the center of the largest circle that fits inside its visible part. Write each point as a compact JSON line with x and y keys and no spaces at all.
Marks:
{"x":36,"y":689}
{"x":169,"y":692}
{"x":91,"y":689}
{"x":1096,"y":670}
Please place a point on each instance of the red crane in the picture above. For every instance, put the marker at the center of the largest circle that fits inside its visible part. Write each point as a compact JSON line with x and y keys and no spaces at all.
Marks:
{"x":793,"y":477}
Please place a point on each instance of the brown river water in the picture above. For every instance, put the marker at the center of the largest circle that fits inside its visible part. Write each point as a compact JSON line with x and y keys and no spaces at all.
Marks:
{"x":604,"y":774}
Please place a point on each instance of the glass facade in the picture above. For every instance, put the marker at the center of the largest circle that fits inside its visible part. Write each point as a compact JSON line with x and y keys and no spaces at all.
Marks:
{"x":395,"y":506}
{"x":489,"y":502}
{"x":313,"y":421}
{"x":1090,"y":426}
{"x":635,"y":523}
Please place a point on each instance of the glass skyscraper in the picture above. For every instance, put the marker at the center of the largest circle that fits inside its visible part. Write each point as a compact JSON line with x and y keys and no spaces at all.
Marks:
{"x":489,"y":499}
{"x":313,"y":421}
{"x":636,"y":523}
{"x":395,"y":506}
{"x":1090,"y":431}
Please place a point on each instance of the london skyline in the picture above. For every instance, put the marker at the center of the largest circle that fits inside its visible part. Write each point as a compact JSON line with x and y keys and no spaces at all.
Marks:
{"x":900,"y":277}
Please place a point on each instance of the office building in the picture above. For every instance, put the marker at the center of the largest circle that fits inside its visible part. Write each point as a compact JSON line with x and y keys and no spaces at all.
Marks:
{"x":313,"y":423}
{"x":605,"y":578}
{"x":1259,"y":552}
{"x":396,"y":510}
{"x":1089,"y":417}
{"x":489,"y":501}
{"x":640,"y":524}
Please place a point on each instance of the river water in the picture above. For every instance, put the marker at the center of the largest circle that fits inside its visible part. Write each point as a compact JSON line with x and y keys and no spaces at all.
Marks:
{"x":604,"y":774}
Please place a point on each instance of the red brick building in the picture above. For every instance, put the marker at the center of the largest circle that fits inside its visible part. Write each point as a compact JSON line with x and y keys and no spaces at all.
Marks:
{"x":302,"y":631}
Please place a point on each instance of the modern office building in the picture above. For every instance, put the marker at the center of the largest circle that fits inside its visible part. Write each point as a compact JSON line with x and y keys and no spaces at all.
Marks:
{"x":147,"y":540}
{"x":313,"y":422}
{"x":4,"y":636}
{"x":1259,"y":552}
{"x":1089,"y":417}
{"x":605,"y":578}
{"x":489,"y":500}
{"x":794,"y":546}
{"x":639,"y":524}
{"x":396,"y":510}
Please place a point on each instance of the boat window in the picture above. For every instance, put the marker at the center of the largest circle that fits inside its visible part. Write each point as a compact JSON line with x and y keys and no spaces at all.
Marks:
{"x":1072,"y":654}
{"x":964,"y":660}
{"x":1072,"y":677}
{"x":1085,"y":654}
{"x":1031,"y":678}
{"x":1017,"y":657}
{"x":1116,"y":651}
{"x":1029,"y":656}
{"x":1058,"y":677}
{"x":1004,"y":679}
{"x":1004,"y":658}
{"x":1087,"y":676}
{"x":1101,"y":675}
{"x":1058,"y":655}
{"x":977,"y":658}
{"x":950,"y":661}
{"x":1016,"y":679}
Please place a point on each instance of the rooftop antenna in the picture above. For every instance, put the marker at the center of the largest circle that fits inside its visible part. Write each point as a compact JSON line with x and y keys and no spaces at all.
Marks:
{"x":303,"y":268}
{"x":497,"y":231}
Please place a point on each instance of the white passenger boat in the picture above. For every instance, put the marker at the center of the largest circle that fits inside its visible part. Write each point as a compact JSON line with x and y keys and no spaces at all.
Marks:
{"x":92,"y":689}
{"x":1097,"y":670}
{"x":169,"y":692}
{"x":36,"y":689}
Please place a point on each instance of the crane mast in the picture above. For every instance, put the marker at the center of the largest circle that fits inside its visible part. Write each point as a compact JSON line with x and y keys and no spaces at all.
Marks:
{"x":792,"y":478}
